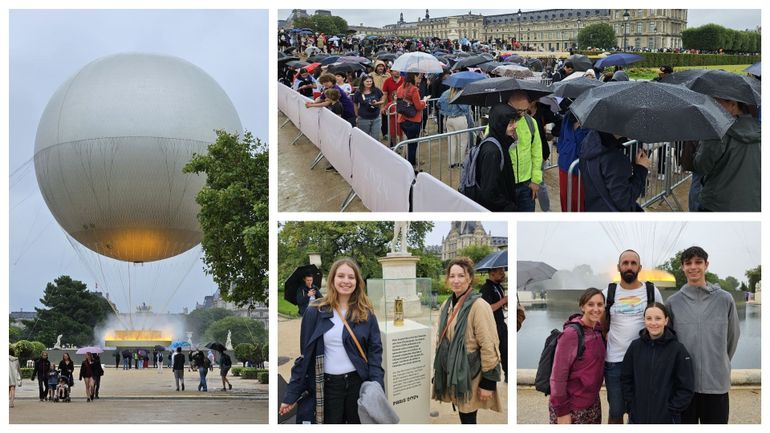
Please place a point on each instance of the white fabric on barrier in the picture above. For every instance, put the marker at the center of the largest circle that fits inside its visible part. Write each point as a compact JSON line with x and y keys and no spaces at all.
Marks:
{"x":283,"y":90}
{"x":381,"y":177}
{"x":292,"y":107}
{"x":308,"y":120}
{"x":334,"y":141}
{"x":431,"y":195}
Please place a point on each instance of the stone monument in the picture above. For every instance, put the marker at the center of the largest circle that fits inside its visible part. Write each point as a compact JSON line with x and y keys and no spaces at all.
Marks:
{"x":399,"y":271}
{"x":189,"y":339}
{"x":229,"y":343}
{"x":57,"y":345}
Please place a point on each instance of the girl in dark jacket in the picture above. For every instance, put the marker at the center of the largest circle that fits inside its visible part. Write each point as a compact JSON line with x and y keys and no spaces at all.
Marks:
{"x":89,"y":370}
{"x":329,"y":354}
{"x":657,"y":373}
{"x":496,"y":187}
{"x":67,"y":368}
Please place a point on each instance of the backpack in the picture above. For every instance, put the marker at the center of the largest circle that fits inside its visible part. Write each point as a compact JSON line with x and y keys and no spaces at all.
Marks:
{"x":545,"y":365}
{"x":468,"y":186}
{"x":611,"y":288}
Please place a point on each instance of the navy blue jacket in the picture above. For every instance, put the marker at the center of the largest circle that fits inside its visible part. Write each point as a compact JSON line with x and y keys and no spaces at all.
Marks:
{"x":612,"y":183}
{"x":315,"y":323}
{"x":303,"y":300}
{"x":657,"y":379}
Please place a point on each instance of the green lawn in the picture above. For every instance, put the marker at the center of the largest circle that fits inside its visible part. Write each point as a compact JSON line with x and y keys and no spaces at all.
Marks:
{"x":650,"y":73}
{"x":285,"y":307}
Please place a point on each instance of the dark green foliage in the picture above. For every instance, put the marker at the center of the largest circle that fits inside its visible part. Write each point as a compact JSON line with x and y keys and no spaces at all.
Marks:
{"x":599,"y":35}
{"x":234,"y":216}
{"x":199,"y":320}
{"x":329,"y":25}
{"x":244,"y":330}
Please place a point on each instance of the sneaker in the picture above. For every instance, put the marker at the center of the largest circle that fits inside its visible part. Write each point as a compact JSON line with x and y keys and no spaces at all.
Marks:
{"x":182,"y":387}
{"x":224,"y":389}
{"x":230,"y":385}
{"x":177,"y":389}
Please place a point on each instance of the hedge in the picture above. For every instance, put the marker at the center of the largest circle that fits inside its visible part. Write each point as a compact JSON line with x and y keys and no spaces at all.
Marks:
{"x":654,"y":60}
{"x":236,"y":371}
{"x":263,"y":377}
{"x":26,"y":373}
{"x":252,"y":373}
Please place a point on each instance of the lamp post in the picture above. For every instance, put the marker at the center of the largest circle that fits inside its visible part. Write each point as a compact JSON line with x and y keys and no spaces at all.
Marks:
{"x":625,"y":28}
{"x":518,"y":18}
{"x":577,"y":37}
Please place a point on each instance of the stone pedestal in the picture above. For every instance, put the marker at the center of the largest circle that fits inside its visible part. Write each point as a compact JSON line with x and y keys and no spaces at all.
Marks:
{"x":399,"y":271}
{"x":406,"y":359}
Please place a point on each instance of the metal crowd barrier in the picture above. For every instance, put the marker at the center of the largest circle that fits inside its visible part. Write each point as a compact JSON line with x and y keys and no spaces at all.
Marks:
{"x":662,"y":177}
{"x":434,"y":150}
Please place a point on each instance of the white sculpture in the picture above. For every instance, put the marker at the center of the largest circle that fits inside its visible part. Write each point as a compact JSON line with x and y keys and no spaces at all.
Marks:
{"x":229,"y":343}
{"x":189,"y":339}
{"x":58,"y":342}
{"x":400,"y":229}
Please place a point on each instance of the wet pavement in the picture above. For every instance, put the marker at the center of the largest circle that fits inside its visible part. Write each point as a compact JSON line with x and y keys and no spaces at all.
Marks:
{"x":146,"y":396}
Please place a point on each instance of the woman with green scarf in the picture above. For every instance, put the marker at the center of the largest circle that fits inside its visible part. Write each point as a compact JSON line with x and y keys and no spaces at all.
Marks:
{"x":466,"y":366}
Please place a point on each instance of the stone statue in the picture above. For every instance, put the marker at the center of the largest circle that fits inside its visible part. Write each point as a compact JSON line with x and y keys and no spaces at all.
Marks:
{"x":400,"y":228}
{"x":229,"y":343}
{"x":189,"y":339}
{"x":58,"y":342}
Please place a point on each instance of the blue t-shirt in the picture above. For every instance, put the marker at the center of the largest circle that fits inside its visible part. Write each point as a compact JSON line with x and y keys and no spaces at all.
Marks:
{"x":366,"y":108}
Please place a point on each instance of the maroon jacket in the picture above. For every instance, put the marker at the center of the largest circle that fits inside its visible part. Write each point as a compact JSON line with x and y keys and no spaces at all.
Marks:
{"x":575,"y":383}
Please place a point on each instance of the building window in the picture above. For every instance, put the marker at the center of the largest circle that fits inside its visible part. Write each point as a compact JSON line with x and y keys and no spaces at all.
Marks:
{"x":652,"y":26}
{"x":639,"y":27}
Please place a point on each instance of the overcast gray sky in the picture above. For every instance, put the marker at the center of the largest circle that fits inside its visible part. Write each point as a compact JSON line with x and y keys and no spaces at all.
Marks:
{"x":732,"y":18}
{"x":46,"y":48}
{"x":733,"y":247}
{"x":441,"y":229}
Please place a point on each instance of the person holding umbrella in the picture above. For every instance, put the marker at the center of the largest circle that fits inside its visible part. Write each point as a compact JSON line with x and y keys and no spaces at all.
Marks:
{"x":410,"y":109}
{"x":307,"y":293}
{"x":730,"y":168}
{"x":89,"y":369}
{"x":340,"y":348}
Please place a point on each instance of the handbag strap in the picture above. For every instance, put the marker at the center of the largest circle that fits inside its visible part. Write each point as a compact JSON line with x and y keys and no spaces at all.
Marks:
{"x":454,"y":313}
{"x":352,"y":334}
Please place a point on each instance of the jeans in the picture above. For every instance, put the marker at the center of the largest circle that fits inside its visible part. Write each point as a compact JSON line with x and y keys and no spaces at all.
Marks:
{"x":370,"y":126}
{"x":412,"y":130}
{"x":615,"y":400}
{"x":202,"y":371}
{"x":341,"y":398}
{"x":523,"y":197}
{"x":140,"y":364}
{"x":179,"y":376}
{"x":126,"y":364}
{"x":542,"y":194}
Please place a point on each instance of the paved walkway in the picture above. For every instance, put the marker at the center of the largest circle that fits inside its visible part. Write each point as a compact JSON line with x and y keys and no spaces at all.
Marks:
{"x":146,"y":396}
{"x":532,"y":406}
{"x":288,"y":347}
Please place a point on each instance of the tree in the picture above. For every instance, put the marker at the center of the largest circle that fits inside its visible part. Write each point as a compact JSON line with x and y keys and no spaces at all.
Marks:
{"x":674,"y":266}
{"x":71,"y":310}
{"x":37,"y":348}
{"x":14,"y":334}
{"x":244,"y":330}
{"x":475,"y":252}
{"x":599,"y":35}
{"x":265,"y":352}
{"x":257,"y":358}
{"x":754,"y":275}
{"x":234,"y":216}
{"x":24,"y":350}
{"x":364,"y":241}
{"x":329,"y":25}
{"x":730,"y":283}
{"x":244,"y":352}
{"x":199,"y":320}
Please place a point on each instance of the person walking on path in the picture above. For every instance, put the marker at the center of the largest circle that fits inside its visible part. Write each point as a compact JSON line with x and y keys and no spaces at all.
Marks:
{"x":14,"y":378}
{"x":224,"y":366}
{"x":67,"y":369}
{"x":199,"y":359}
{"x":117,"y":359}
{"x":177,"y":367}
{"x":40,"y":372}
{"x":88,"y":371}
{"x":705,"y":320}
{"x":98,"y":376}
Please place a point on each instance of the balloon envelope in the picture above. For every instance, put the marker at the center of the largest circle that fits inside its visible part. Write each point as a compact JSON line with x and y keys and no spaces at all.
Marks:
{"x":110,"y":149}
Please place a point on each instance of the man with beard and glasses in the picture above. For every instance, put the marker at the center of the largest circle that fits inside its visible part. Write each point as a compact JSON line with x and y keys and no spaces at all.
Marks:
{"x":623,"y":319}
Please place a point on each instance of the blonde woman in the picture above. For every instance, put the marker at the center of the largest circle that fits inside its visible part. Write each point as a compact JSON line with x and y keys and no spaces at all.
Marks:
{"x":326,"y":378}
{"x":457,"y":117}
{"x":467,"y":363}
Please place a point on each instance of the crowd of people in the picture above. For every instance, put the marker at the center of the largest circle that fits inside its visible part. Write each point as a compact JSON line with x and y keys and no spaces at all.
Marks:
{"x":392,"y":106}
{"x":341,"y":349}
{"x":660,"y":363}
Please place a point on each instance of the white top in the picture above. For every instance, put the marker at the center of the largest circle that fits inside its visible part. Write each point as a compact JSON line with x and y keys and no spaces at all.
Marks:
{"x":346,"y":87}
{"x":336,"y":360}
{"x":626,"y":319}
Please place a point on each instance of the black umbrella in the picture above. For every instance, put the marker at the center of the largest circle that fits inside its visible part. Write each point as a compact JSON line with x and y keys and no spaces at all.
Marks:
{"x":386,"y":56}
{"x":580,"y":62}
{"x":346,"y":67}
{"x":498,"y":259}
{"x":574,"y":88}
{"x":219,"y":347}
{"x":317,"y":57}
{"x":126,"y":353}
{"x":719,"y":84}
{"x":532,"y":272}
{"x":492,"y":91}
{"x":285,"y":59}
{"x":159,"y":348}
{"x":290,"y":50}
{"x":470,"y":61}
{"x":489,"y":66}
{"x":297,"y":64}
{"x":296,"y":280}
{"x":534,"y":64}
{"x":651,"y":112}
